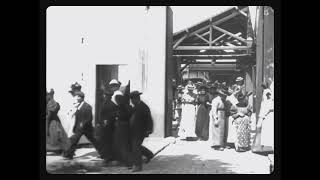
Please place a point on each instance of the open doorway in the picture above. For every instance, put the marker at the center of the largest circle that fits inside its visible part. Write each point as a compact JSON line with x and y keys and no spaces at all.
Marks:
{"x":104,"y":74}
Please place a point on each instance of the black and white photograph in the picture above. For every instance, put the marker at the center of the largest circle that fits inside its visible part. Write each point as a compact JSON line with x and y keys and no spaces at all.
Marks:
{"x":160,"y":90}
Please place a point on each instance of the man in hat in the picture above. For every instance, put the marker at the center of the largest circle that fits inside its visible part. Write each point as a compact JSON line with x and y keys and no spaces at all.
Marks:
{"x":83,"y":125}
{"x":141,"y":125}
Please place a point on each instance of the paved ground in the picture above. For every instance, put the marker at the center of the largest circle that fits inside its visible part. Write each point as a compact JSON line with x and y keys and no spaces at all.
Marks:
{"x":183,"y":157}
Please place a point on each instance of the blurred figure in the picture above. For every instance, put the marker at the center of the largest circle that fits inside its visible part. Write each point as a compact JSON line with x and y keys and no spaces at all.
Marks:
{"x":83,"y":125}
{"x":141,"y":126}
{"x":241,"y":122}
{"x":187,"y":125}
{"x":56,"y":136}
{"x":202,"y":117}
{"x":107,"y":120}
{"x":267,"y":119}
{"x":178,"y":109}
{"x":217,"y":118}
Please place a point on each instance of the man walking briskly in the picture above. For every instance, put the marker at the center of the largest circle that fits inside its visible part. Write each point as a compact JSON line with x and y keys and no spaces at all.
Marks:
{"x":83,"y":125}
{"x":141,"y":125}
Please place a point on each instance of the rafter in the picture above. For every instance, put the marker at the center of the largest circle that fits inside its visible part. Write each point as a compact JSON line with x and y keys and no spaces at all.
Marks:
{"x":179,"y":41}
{"x":229,"y":33}
{"x":202,"y":38}
{"x":211,"y":48}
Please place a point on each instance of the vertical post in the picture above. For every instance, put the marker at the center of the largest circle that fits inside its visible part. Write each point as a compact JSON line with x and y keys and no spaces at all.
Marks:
{"x":210,"y":40}
{"x":259,"y":75}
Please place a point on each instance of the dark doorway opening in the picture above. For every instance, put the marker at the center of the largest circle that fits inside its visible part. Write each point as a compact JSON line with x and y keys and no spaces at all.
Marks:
{"x":104,"y":74}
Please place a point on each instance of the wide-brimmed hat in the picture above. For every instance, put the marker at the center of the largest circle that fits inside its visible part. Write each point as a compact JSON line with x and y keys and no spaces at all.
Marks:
{"x":75,"y":87}
{"x":79,"y":93}
{"x":239,"y":79}
{"x":135,"y":94}
{"x":114,"y":82}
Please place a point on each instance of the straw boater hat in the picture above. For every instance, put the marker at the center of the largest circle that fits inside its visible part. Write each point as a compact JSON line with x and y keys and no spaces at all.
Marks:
{"x":239,"y":79}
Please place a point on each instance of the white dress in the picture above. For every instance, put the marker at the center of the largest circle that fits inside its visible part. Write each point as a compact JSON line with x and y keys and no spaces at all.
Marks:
{"x":188,"y":119}
{"x":267,"y":130}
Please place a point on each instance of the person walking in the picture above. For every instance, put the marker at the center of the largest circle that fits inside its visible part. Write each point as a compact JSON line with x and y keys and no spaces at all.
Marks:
{"x":202,"y":117}
{"x":217,"y":118}
{"x":187,"y":125}
{"x":141,"y":125}
{"x":56,"y":135}
{"x":83,"y":126}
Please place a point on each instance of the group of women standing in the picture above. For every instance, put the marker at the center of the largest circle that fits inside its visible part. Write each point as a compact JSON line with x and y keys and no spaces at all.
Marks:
{"x":216,"y":113}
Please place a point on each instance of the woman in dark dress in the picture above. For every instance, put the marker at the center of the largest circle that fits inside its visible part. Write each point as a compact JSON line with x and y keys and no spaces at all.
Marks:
{"x":121,"y":130}
{"x":57,"y":139}
{"x":203,"y":119}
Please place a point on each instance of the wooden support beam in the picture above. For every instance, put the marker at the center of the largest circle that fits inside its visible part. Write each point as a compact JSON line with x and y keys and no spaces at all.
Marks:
{"x":202,"y":38}
{"x":218,"y":38}
{"x":185,"y":66}
{"x":216,"y":55}
{"x":229,"y":33}
{"x":243,"y":13}
{"x":210,"y":39}
{"x":179,"y":41}
{"x":212,"y":48}
{"x":218,"y":22}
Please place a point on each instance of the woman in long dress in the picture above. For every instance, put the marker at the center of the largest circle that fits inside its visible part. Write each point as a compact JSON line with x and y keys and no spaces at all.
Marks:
{"x":202,"y":117}
{"x":120,"y":143}
{"x":187,"y":125}
{"x":217,"y":121}
{"x":57,"y":139}
{"x":266,"y":114}
{"x":241,"y":121}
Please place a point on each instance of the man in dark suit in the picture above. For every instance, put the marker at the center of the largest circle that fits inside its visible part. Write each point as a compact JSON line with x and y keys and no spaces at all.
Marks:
{"x":83,"y":126}
{"x":141,"y":125}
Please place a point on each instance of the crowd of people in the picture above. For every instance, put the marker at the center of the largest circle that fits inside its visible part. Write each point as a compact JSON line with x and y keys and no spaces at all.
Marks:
{"x":221,"y":114}
{"x":117,"y":135}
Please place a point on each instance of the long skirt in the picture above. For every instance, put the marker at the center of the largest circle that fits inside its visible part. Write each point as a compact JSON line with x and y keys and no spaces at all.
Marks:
{"x":202,"y":122}
{"x":218,"y":132}
{"x":57,"y":138}
{"x":120,"y":146}
{"x":267,"y":131}
{"x":231,"y":131}
{"x":242,"y":125}
{"x":187,"y":124}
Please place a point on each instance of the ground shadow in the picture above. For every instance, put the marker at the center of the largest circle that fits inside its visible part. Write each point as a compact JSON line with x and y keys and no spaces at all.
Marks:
{"x":186,"y":164}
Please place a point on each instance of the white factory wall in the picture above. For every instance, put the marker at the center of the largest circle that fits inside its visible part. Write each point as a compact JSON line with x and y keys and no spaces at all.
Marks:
{"x":111,"y":36}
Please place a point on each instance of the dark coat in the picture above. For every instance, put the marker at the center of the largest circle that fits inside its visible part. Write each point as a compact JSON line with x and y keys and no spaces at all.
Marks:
{"x":141,"y":121}
{"x":83,"y":118}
